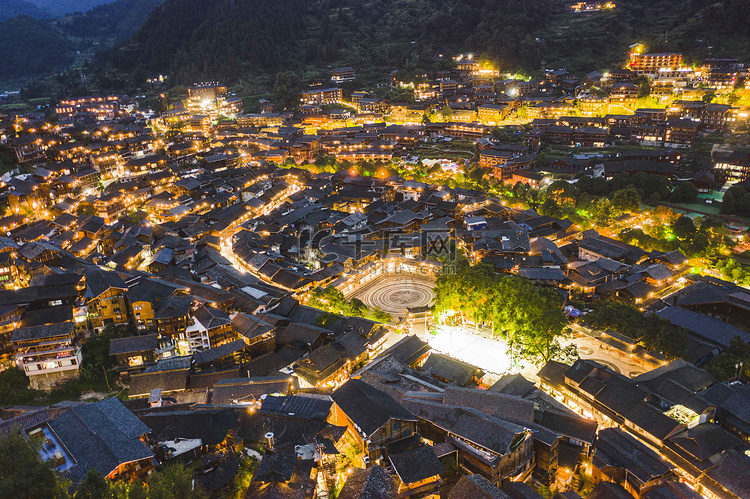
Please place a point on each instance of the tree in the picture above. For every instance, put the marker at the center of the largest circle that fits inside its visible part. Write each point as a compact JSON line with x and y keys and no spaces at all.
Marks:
{"x":601,"y":210}
{"x":626,"y":200}
{"x":23,"y":473}
{"x":241,"y":482}
{"x":730,"y":201}
{"x":529,"y":317}
{"x":724,"y":365}
{"x":661,"y":335}
{"x":644,"y":86}
{"x":684,"y":228}
{"x":173,"y":481}
{"x":94,"y":486}
{"x":563,"y":193}
{"x":286,"y":89}
{"x":685,"y":192}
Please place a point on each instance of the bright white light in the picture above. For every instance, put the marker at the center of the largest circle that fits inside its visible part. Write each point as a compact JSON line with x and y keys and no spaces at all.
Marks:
{"x":487,"y":354}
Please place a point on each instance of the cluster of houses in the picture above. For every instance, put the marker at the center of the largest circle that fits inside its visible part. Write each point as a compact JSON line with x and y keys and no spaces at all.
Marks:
{"x":675,"y":421}
{"x":179,"y":237}
{"x":410,"y":423}
{"x":193,"y":251}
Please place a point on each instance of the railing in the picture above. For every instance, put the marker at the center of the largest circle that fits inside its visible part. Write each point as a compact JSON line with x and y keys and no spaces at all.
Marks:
{"x":48,"y":364}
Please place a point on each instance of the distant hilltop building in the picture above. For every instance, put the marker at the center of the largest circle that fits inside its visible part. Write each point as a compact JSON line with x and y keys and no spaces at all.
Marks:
{"x":212,"y":99}
{"x":206,"y":91}
{"x":321,"y":96}
{"x":653,"y":63}
{"x":590,"y":6}
{"x":343,"y":74}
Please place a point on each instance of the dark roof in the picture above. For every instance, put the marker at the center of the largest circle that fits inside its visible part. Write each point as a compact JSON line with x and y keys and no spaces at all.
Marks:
{"x":99,"y":281}
{"x":616,"y":449}
{"x":673,"y":490}
{"x":133,"y":344}
{"x":732,"y":403}
{"x":519,"y":490}
{"x":300,"y":335}
{"x":216,"y":353}
{"x":297,"y":406}
{"x":265,"y":364}
{"x":170,"y":375}
{"x":275,"y":467}
{"x":211,"y":317}
{"x":372,"y":483}
{"x":553,"y":373}
{"x":470,"y":424}
{"x":174,"y":306}
{"x":209,"y":425}
{"x":732,"y":473}
{"x":512,"y":384}
{"x":705,"y":326}
{"x":408,"y":349}
{"x":368,"y":407}
{"x":43,"y":331}
{"x":570,"y":425}
{"x":609,"y":490}
{"x":502,"y":406}
{"x":226,"y":391}
{"x":250,"y":326}
{"x":447,"y":368}
{"x":696,"y":448}
{"x":102,"y":435}
{"x":416,"y":464}
{"x":476,"y":487}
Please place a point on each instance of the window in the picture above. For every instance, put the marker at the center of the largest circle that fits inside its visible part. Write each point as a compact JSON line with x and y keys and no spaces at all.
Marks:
{"x":395,"y":426}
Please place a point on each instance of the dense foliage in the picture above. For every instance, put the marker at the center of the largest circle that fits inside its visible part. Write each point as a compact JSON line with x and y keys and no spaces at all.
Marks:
{"x":736,"y":200}
{"x":232,"y":40}
{"x":13,"y":8}
{"x":32,"y":45}
{"x":332,"y":300}
{"x":725,"y":365}
{"x":199,"y":39}
{"x":23,"y":474}
{"x":529,"y":317}
{"x":68,"y":6}
{"x":734,"y":271}
{"x":117,"y":20}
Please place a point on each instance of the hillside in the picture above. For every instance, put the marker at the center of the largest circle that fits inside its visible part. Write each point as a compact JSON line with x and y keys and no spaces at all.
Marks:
{"x":30,"y":46}
{"x":250,"y":40}
{"x":62,"y":7}
{"x":13,"y":8}
{"x":198,"y":39}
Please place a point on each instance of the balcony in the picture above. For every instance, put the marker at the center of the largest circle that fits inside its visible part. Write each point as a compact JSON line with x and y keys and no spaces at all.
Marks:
{"x":49,"y":361}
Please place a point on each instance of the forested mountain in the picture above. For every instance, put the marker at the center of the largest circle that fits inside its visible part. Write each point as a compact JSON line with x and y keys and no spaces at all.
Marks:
{"x":238,"y":39}
{"x":196,"y":39}
{"x":62,"y":7}
{"x":252,"y":40}
{"x":30,"y":46}
{"x":117,"y":20}
{"x":13,"y":8}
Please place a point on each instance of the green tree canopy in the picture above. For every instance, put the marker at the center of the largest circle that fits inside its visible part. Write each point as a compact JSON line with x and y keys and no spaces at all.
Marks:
{"x":23,"y":473}
{"x":286,"y":89}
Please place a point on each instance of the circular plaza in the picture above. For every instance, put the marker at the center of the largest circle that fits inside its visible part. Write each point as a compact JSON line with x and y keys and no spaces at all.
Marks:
{"x":394,"y":293}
